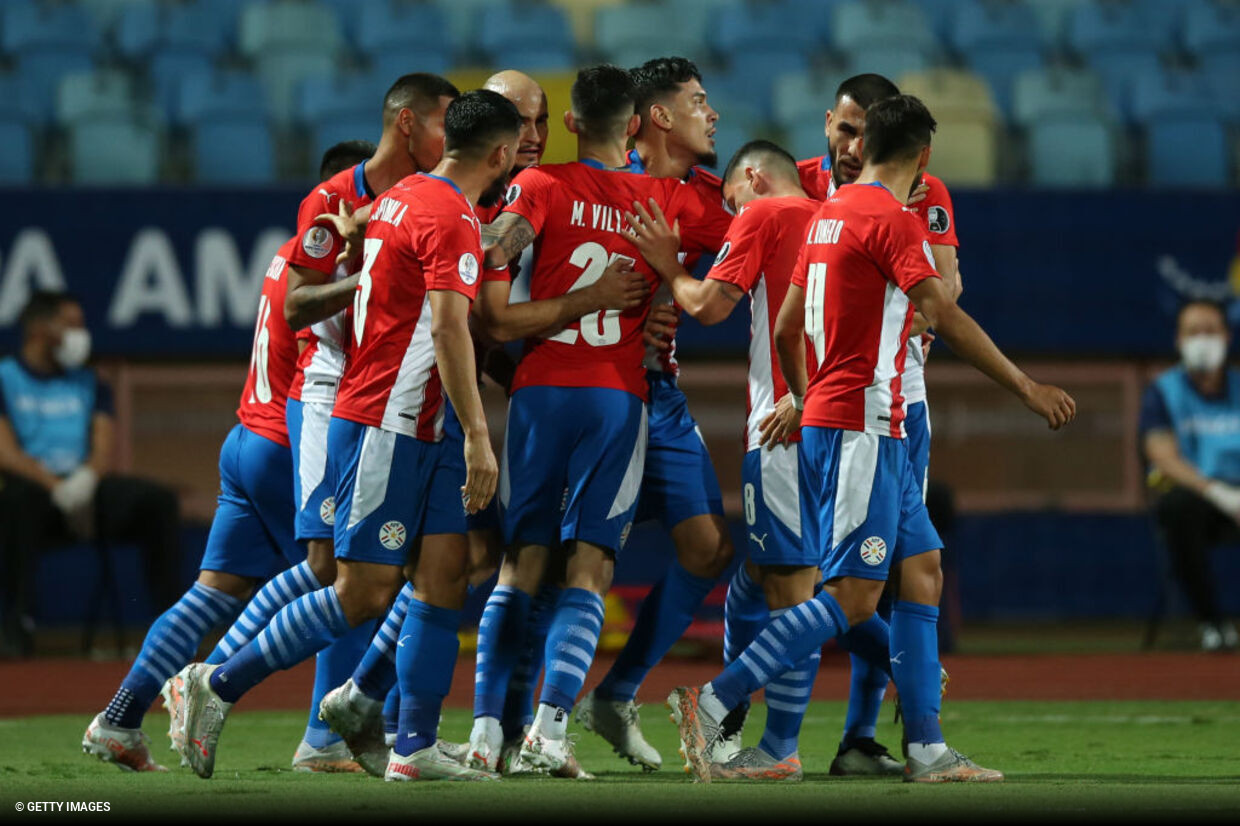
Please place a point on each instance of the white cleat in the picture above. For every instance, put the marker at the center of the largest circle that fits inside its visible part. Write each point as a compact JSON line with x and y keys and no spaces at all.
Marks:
{"x":456,"y":751}
{"x":547,"y":754}
{"x":172,"y":693}
{"x":126,"y":748}
{"x":330,"y":760}
{"x":431,"y":764}
{"x":484,"y":754}
{"x":205,"y":714}
{"x":359,"y":720}
{"x":618,"y":722}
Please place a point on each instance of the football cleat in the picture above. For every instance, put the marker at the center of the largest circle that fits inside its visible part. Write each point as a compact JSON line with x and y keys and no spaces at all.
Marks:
{"x":730,"y":744}
{"x":172,"y":693}
{"x":755,"y":764}
{"x":204,"y":714}
{"x":618,"y":722}
{"x":483,"y":754}
{"x":431,"y":764}
{"x":865,"y":757}
{"x":699,"y":731}
{"x":456,"y":751}
{"x":546,"y":754}
{"x":951,"y":767}
{"x":126,"y":748}
{"x":359,"y":720}
{"x":330,"y":760}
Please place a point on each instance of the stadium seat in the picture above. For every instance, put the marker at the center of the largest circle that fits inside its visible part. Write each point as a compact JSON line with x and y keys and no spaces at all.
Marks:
{"x":803,"y":97}
{"x":960,"y":92}
{"x":1077,"y":152}
{"x":321,"y":98}
{"x":534,"y":57}
{"x":39,"y":73}
{"x":83,"y":95}
{"x":219,"y":95}
{"x":1057,"y":93}
{"x":1189,"y":151}
{"x":889,"y":61}
{"x":464,"y":19}
{"x":27,"y":26}
{"x":17,"y":159}
{"x":358,"y":123}
{"x":115,"y":150}
{"x":805,"y":140}
{"x":1117,"y":41}
{"x":630,"y":34}
{"x":1053,"y":20}
{"x":750,"y":74}
{"x":529,"y":33}
{"x":966,"y":143}
{"x":892,"y":26}
{"x":282,"y":71}
{"x":167,"y":69}
{"x":193,"y":27}
{"x":941,"y":14}
{"x":1001,"y":68}
{"x":233,"y":150}
{"x":776,"y":25}
{"x":1167,"y":94}
{"x":728,"y":139}
{"x":408,"y":34}
{"x":1212,"y":28}
{"x":107,"y":13}
{"x":998,"y":40}
{"x":304,"y":26}
{"x":582,"y":14}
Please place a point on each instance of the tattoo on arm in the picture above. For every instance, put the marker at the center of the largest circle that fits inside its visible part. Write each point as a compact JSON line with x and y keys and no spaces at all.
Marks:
{"x":512,"y":232}
{"x":729,"y":291}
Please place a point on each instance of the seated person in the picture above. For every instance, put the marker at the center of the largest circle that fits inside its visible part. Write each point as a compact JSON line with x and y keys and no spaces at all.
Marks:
{"x":55,"y":461}
{"x":1190,"y":431}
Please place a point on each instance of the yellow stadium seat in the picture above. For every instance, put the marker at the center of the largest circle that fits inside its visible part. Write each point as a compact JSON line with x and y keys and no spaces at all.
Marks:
{"x":581,"y":17}
{"x":957,"y":91}
{"x":965,"y":145}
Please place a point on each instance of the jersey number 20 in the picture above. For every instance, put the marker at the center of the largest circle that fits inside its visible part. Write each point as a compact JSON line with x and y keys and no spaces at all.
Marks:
{"x":601,"y":328}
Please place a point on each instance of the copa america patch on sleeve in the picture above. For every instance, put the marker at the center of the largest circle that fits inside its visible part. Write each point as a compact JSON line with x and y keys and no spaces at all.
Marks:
{"x":723,"y":253}
{"x":938,"y":219}
{"x":467,"y":268}
{"x":512,"y":194}
{"x":317,"y":242}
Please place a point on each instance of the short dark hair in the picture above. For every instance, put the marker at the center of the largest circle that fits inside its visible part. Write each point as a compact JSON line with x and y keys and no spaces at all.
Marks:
{"x":655,"y":79}
{"x":476,"y":119}
{"x":343,"y":155}
{"x":419,"y":91}
{"x":42,"y":305}
{"x":866,"y":89}
{"x":1217,"y":306}
{"x":768,"y":151}
{"x":896,"y":128}
{"x":603,"y":100}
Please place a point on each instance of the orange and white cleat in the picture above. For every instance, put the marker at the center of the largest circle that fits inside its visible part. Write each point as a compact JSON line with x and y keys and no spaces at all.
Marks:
{"x":699,"y":731}
{"x":333,"y":759}
{"x":172,"y":692}
{"x":431,"y":764}
{"x":950,"y":767}
{"x":124,"y":747}
{"x":753,"y":763}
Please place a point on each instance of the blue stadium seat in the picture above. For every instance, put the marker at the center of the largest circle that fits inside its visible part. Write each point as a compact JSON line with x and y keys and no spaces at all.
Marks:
{"x":107,"y":13}
{"x":417,"y":33}
{"x":394,"y":60}
{"x":888,"y":61}
{"x":1166,"y":94}
{"x":220,"y":95}
{"x":46,"y":42}
{"x":301,"y":26}
{"x":115,"y":151}
{"x":777,"y":25}
{"x":1079,"y":152}
{"x":1001,"y":68}
{"x":858,"y":26}
{"x":630,"y":34}
{"x":192,"y":27}
{"x":941,"y":15}
{"x":751,"y":73}
{"x":1057,"y":93}
{"x":82,"y":95}
{"x":728,"y":139}
{"x":1188,"y":151}
{"x":360,"y":123}
{"x":464,"y":19}
{"x":1212,"y":28}
{"x":806,"y":140}
{"x":283,"y":70}
{"x":803,"y":98}
{"x":322,"y":98}
{"x":999,"y":41}
{"x":39,"y":73}
{"x":1166,"y":16}
{"x":17,"y":159}
{"x":233,"y":150}
{"x":1118,"y":41}
{"x":527,"y":33}
{"x":167,"y":69}
{"x":1053,"y":20}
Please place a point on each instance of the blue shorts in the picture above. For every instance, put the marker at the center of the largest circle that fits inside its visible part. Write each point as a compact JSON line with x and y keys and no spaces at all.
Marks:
{"x":444,"y":511}
{"x":679,"y":481}
{"x":772,"y":503}
{"x":861,"y":505}
{"x":314,"y":492}
{"x":252,"y":531}
{"x":917,"y":430}
{"x":572,"y":465}
{"x":384,"y":483}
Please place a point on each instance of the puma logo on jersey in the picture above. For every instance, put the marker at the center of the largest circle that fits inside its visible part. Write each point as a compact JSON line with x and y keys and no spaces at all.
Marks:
{"x":761,"y":543}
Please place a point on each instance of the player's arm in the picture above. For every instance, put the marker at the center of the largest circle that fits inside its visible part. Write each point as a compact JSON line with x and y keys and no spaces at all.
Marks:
{"x":454,"y":355}
{"x":969,"y":341}
{"x":790,"y":349}
{"x":709,"y":301}
{"x":313,"y":297}
{"x":946,"y":266}
{"x":618,"y":288}
{"x":505,"y":237}
{"x":20,"y":463}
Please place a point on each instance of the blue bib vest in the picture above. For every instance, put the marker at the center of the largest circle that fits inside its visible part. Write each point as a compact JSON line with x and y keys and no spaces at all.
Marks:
{"x":51,"y":415}
{"x":1206,"y":429}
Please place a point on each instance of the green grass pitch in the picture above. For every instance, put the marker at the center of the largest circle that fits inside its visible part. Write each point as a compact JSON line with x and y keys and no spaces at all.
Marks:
{"x":1064,"y":761}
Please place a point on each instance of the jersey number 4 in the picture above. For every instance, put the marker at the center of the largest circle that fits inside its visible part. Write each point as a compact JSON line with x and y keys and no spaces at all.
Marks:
{"x":601,"y":328}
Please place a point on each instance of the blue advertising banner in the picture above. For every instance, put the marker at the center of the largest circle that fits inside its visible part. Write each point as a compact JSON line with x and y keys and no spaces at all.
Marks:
{"x":176,"y":273}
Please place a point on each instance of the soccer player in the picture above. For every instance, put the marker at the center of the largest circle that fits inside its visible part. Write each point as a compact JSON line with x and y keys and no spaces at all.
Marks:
{"x":865,"y":265}
{"x":757,"y":259}
{"x":397,"y":477}
{"x":253,"y":521}
{"x":575,"y":442}
{"x":679,"y":488}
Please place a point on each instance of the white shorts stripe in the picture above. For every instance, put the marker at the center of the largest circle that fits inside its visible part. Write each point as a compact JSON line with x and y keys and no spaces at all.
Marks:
{"x":312,"y":447}
{"x":374,"y":467}
{"x":854,"y":483}
{"x":631,"y":485}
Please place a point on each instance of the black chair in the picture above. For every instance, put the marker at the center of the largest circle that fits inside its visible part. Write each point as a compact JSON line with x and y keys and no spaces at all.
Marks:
{"x":107,"y":588}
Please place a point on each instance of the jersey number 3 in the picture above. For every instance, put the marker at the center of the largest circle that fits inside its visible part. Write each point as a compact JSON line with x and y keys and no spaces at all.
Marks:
{"x":601,"y":328}
{"x":370,"y":251}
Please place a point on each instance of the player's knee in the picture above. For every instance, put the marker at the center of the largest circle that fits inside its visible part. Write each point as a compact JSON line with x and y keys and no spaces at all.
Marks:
{"x":484,"y":556}
{"x":367,"y":594}
{"x":523,"y":568}
{"x":786,"y":586}
{"x":703,"y":546}
{"x":921,"y":579}
{"x":590,"y":567}
{"x":320,"y":556}
{"x":238,"y":587}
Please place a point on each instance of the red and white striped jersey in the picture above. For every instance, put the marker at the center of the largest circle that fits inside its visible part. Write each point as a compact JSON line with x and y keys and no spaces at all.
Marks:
{"x":321,"y":363}
{"x":758,"y":254}
{"x":273,"y":356}
{"x":422,"y":236}
{"x":864,"y":250}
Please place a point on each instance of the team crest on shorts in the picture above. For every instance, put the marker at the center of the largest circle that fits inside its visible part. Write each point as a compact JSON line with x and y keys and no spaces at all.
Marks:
{"x":624,"y":533}
{"x":317,"y":242}
{"x":327,"y":511}
{"x":873,"y":550}
{"x":392,"y":535}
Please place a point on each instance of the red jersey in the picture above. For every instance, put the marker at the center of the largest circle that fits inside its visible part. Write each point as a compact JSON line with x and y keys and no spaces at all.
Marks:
{"x":273,"y":356}
{"x":816,"y":177}
{"x":321,"y":363}
{"x":708,"y":239}
{"x":758,"y":255}
{"x":577,"y":211}
{"x":422,"y":236}
{"x":864,"y":250}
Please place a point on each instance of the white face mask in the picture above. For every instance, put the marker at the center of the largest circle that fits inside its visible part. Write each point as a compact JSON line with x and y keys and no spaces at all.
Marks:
{"x":74,"y":348}
{"x":1203,"y":353}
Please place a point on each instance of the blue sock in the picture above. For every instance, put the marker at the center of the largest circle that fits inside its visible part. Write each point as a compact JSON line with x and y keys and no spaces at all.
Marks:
{"x":499,"y":647}
{"x":787,"y":697}
{"x":279,"y":591}
{"x":169,"y":646}
{"x":744,"y":615}
{"x":375,"y":675}
{"x":332,"y":666}
{"x":571,"y":643}
{"x":665,"y":614}
{"x":785,"y":642}
{"x":391,"y":711}
{"x":869,"y":682}
{"x":299,"y":630}
{"x":519,"y":701}
{"x":424,"y":666}
{"x":915,"y":667}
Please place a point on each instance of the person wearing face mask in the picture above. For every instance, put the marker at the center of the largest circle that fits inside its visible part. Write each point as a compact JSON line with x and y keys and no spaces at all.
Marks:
{"x":55,"y":461}
{"x":1190,"y":431}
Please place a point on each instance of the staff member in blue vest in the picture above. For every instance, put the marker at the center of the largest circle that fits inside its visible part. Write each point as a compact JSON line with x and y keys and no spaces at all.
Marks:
{"x":55,"y":462}
{"x":1190,"y":429}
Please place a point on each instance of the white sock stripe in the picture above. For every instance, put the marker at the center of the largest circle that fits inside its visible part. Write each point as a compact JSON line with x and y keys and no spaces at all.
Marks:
{"x":568,"y":668}
{"x":179,"y":618}
{"x":159,"y":662}
{"x":285,"y":587}
{"x":759,"y":649}
{"x":337,"y":610}
{"x":567,"y":649}
{"x":306,"y":578}
{"x":176,"y":633}
{"x":275,"y":636}
{"x":793,"y":675}
{"x":248,"y":623}
{"x":186,"y":610}
{"x":782,"y":691}
{"x":222,"y":603}
{"x":265,"y":648}
{"x":752,"y":666}
{"x":194,"y":600}
{"x":791,"y":708}
{"x":820,"y":611}
{"x":578,"y":631}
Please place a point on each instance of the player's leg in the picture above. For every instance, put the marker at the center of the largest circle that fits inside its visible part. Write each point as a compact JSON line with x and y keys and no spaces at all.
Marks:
{"x":519,"y":702}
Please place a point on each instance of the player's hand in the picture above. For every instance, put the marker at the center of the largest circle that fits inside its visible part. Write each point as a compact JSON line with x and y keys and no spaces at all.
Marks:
{"x":493,"y":255}
{"x":1225,"y":497}
{"x":917,"y":195}
{"x":620,"y":287}
{"x":352,"y":229}
{"x":1052,"y":404}
{"x":658,"y":243}
{"x":660,"y":326}
{"x":781,"y":425}
{"x":481,"y":473}
{"x":926,"y":338}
